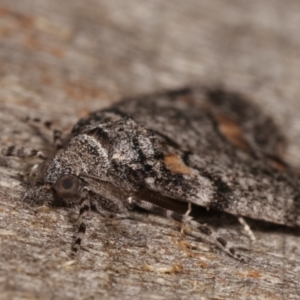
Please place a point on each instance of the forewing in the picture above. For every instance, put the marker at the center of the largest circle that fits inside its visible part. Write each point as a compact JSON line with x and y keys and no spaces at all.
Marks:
{"x":209,"y":148}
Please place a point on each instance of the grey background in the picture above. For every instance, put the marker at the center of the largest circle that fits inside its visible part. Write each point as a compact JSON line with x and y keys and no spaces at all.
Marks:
{"x":61,"y":59}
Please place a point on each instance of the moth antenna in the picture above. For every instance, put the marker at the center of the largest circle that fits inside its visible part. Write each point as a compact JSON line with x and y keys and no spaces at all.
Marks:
{"x":57,"y":138}
{"x":38,"y":122}
{"x":22,"y":152}
{"x":57,"y":134}
{"x":84,"y":209}
{"x":188,"y":220}
{"x":226,"y":246}
{"x":79,"y":237}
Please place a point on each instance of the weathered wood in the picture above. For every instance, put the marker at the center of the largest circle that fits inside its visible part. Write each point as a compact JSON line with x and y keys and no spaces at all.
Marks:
{"x":61,"y":59}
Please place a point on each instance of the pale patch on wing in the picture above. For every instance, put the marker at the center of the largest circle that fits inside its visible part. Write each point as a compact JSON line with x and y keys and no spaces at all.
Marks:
{"x":118,"y":156}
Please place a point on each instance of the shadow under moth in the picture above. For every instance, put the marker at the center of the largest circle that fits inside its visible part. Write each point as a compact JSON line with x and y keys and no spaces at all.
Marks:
{"x":165,"y":152}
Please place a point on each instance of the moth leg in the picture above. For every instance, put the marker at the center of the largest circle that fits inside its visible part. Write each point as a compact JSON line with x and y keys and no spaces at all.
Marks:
{"x":84,"y":209}
{"x":188,"y":220}
{"x":22,"y":152}
{"x":247,"y":228}
{"x":87,"y":203}
{"x":98,"y":209}
{"x":187,"y":213}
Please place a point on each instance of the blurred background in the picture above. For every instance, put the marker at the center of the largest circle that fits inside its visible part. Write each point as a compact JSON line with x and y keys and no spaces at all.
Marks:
{"x":82,"y":55}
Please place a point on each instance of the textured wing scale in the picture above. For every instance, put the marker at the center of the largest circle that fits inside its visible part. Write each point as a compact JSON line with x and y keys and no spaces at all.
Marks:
{"x":210,"y":153}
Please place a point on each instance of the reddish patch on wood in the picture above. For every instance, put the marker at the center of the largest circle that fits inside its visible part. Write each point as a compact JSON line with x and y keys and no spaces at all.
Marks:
{"x":254,"y":274}
{"x":81,"y":90}
{"x":203,"y":265}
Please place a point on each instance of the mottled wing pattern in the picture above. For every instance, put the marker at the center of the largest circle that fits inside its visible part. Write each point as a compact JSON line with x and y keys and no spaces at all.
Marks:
{"x":210,"y":148}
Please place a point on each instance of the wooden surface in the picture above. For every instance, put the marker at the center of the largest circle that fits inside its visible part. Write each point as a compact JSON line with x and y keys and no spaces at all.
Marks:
{"x":62,"y":59}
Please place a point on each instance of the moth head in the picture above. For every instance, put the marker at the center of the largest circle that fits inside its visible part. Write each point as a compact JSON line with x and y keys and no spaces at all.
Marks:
{"x":63,"y":163}
{"x":65,"y":191}
{"x":58,"y":181}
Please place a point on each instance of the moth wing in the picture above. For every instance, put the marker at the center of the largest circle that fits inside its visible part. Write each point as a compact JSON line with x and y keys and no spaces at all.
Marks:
{"x":233,"y":169}
{"x":215,"y":151}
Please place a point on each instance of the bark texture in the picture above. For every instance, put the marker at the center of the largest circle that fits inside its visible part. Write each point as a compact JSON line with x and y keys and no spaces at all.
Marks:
{"x":61,"y":59}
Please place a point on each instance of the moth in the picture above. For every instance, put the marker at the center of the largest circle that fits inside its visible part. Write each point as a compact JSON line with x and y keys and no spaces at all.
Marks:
{"x":164,"y":152}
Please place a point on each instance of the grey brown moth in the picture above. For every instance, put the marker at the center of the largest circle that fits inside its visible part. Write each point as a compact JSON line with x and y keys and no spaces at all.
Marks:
{"x":166,"y":151}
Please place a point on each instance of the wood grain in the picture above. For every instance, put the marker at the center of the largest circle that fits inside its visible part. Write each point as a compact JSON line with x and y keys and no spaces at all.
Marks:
{"x":61,"y":59}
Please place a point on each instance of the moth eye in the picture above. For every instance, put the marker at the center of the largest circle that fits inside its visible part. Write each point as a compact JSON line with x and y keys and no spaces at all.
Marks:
{"x":66,"y":185}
